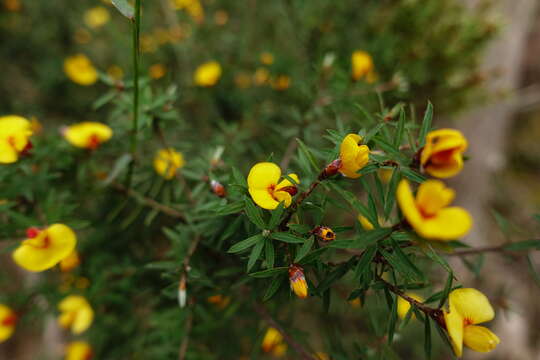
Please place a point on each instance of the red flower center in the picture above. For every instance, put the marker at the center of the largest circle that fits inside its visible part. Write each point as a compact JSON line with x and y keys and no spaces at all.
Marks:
{"x":93,"y":142}
{"x":10,"y":320}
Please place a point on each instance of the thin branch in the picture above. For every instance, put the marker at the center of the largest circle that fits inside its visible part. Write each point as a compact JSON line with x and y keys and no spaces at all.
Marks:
{"x":263,"y":312}
{"x":185,"y":341}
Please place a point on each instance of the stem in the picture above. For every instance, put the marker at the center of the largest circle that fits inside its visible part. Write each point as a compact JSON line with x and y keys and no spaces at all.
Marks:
{"x":135,"y":54}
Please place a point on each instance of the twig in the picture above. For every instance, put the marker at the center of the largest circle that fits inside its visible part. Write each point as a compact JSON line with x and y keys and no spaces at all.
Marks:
{"x":478,"y":250}
{"x":185,"y":341}
{"x":263,"y":312}
{"x":148,"y":201}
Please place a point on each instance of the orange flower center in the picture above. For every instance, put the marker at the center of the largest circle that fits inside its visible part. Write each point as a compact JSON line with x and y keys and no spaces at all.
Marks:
{"x":93,"y":142}
{"x":88,"y":355}
{"x":467,"y":322}
{"x":443,"y":157}
{"x":9,"y":320}
{"x":36,"y":241}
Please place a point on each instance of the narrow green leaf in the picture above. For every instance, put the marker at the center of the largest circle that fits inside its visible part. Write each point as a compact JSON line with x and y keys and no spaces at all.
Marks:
{"x":304,"y":249}
{"x":287,"y":237}
{"x":412,"y":175}
{"x":315,"y":254}
{"x":390,"y":197}
{"x":269,"y":253}
{"x":523,"y":245}
{"x":238,"y":178}
{"x":254,"y":213}
{"x":255,"y":254}
{"x":392,"y":321}
{"x":402,"y":265}
{"x":228,"y":209}
{"x":273,"y":288}
{"x":426,"y":125}
{"x":275,"y":219}
{"x":119,"y":165}
{"x":371,"y":237}
{"x":447,"y":289}
{"x":533,"y":271}
{"x":162,"y":265}
{"x":269,"y":272}
{"x":125,"y":8}
{"x":307,"y":153}
{"x":427,"y":337}
{"x":354,"y":202}
{"x":400,"y":129}
{"x":373,"y":132}
{"x":244,"y":244}
{"x":365,"y":261}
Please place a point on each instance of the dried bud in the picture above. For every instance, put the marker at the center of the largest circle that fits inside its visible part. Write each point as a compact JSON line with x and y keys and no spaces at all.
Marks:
{"x":331,"y":169}
{"x":182,"y":294}
{"x":298,"y":281}
{"x":324,"y":233}
{"x":218,"y":189}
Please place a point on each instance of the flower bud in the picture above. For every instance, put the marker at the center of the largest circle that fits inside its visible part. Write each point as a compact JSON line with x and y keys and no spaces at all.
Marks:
{"x":332,"y":168}
{"x":182,"y":294}
{"x":324,"y":233}
{"x":298,"y":281}
{"x":218,"y":189}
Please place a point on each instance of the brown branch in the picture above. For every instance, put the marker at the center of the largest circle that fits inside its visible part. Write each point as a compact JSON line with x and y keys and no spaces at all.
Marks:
{"x":148,"y":201}
{"x":185,"y":341}
{"x":263,"y":312}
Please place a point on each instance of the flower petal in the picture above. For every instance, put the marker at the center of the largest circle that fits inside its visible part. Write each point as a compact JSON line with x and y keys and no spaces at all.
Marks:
{"x":432,"y":196}
{"x":454,"y":327}
{"x":283,"y":196}
{"x":480,"y":338}
{"x":472,"y":305}
{"x":263,"y":175}
{"x":365,"y":223}
{"x":448,"y":224}
{"x":407,"y":204}
{"x":80,"y":135}
{"x":286,"y":182}
{"x":442,"y":140}
{"x":448,"y":169}
{"x":264,"y":199}
{"x":349,"y":148}
{"x":8,"y":154}
{"x":404,"y":306}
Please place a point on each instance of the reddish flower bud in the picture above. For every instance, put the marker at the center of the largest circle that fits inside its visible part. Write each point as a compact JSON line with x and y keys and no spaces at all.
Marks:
{"x":332,"y":168}
{"x":298,"y":281}
{"x":218,"y":189}
{"x":324,"y":233}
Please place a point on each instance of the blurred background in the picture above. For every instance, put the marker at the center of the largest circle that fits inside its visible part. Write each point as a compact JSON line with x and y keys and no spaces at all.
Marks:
{"x":286,"y":72}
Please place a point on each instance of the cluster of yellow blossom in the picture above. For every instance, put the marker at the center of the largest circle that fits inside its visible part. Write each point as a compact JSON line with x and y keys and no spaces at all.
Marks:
{"x":273,"y":343}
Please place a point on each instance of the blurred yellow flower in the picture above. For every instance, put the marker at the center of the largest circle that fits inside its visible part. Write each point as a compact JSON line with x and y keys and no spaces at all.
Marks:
{"x":96,"y":17}
{"x":157,"y":71}
{"x":12,"y":5}
{"x":219,"y":300}
{"x":207,"y":74}
{"x":467,"y":308}
{"x":14,"y":133}
{"x":192,"y":7}
{"x":261,"y":76}
{"x":442,"y":156}
{"x":76,"y":314}
{"x":356,"y":302}
{"x":167,"y":162}
{"x":80,"y":70}
{"x":429,"y":213}
{"x":162,"y":35}
{"x":115,"y":72}
{"x":264,"y":188}
{"x":273,"y":343}
{"x":281,"y":82}
{"x":78,"y":350}
{"x":267,"y":58}
{"x":362,"y":66}
{"x":8,"y":320}
{"x":221,"y":17}
{"x":298,"y":281}
{"x":365,"y":223}
{"x":403,"y":305}
{"x":353,"y":156}
{"x":88,"y":134}
{"x":45,"y":248}
{"x":70,"y":262}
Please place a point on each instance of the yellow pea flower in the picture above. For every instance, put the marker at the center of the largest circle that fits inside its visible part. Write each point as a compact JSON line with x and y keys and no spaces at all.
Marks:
{"x":96,"y":17}
{"x":88,"y":134}
{"x":273,"y":343}
{"x":298,"y":281}
{"x":365,"y":223}
{"x":8,"y":320}
{"x":324,"y":233}
{"x":157,"y":71}
{"x":70,"y":262}
{"x":207,"y":74}
{"x":362,"y":66}
{"x":167,"y":162}
{"x":353,"y":156}
{"x":264,"y":188}
{"x":403,"y":305}
{"x":45,"y":248}
{"x":467,"y":308}
{"x":192,"y":7}
{"x":14,"y":133}
{"x":442,"y":155}
{"x":78,"y":350}
{"x":80,"y":70}
{"x":429,"y":213}
{"x":76,"y":314}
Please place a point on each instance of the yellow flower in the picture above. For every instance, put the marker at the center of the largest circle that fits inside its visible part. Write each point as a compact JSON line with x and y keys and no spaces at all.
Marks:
{"x":261,"y":76}
{"x":403,"y":305}
{"x":264,"y":188}
{"x":467,"y":308}
{"x":96,"y":17}
{"x":167,"y":162}
{"x":219,"y":300}
{"x":14,"y":133}
{"x":70,"y":262}
{"x":192,"y":7}
{"x":273,"y":343}
{"x":8,"y":320}
{"x":88,"y":134}
{"x":356,"y":302}
{"x":353,"y":156}
{"x":365,"y":223}
{"x":157,"y":71}
{"x":78,"y":350}
{"x":207,"y":74}
{"x":45,"y":248}
{"x":362,"y":66}
{"x":281,"y":82}
{"x":76,"y":314}
{"x":80,"y":70}
{"x":267,"y":58}
{"x":429,"y":213}
{"x":442,"y":155}
{"x":298,"y":281}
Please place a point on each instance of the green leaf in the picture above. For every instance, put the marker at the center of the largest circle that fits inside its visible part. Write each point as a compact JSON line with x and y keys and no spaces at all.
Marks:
{"x":447,"y":289}
{"x":392,"y":321}
{"x":104,"y":99}
{"x":532,"y":270}
{"x":426,"y":125}
{"x":275,"y":219}
{"x":402,"y":264}
{"x":365,"y":261}
{"x":388,"y":149}
{"x":304,"y":249}
{"x":255,"y":253}
{"x":125,"y":8}
{"x":427,"y":337}
{"x":400,"y":129}
{"x":162,"y":265}
{"x":354,"y":202}
{"x":390,"y":197}
{"x":315,"y":254}
{"x":273,"y":288}
{"x":307,"y":153}
{"x":523,"y":245}
{"x":269,"y":253}
{"x":371,"y":237}
{"x":244,"y":244}
{"x":287,"y":237}
{"x":228,"y":209}
{"x":412,"y":175}
{"x":373,"y":132}
{"x":238,"y":178}
{"x":254,"y":213}
{"x":119,"y":165}
{"x":269,"y":272}
{"x":428,"y":250}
